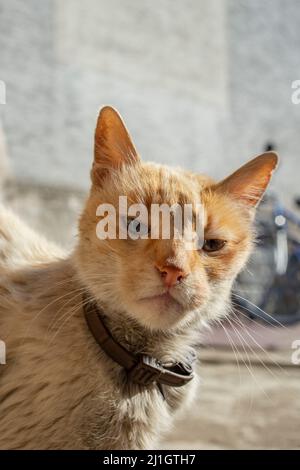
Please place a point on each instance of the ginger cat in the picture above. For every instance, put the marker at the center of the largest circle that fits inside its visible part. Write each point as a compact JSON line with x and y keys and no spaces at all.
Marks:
{"x":59,"y":389}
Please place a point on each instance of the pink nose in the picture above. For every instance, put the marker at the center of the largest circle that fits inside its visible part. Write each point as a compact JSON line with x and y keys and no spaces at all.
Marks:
{"x":171,"y":275}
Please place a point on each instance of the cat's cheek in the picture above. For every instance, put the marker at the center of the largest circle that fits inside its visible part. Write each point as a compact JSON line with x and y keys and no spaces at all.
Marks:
{"x":195,"y":296}
{"x":227,"y":265}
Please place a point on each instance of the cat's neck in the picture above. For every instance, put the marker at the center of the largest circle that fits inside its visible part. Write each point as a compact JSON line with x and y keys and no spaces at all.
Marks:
{"x":166,"y":345}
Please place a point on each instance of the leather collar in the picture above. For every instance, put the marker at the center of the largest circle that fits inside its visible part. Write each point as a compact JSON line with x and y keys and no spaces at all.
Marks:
{"x":141,"y":369}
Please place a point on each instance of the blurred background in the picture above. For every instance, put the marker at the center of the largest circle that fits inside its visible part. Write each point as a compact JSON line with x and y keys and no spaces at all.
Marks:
{"x":205,"y":84}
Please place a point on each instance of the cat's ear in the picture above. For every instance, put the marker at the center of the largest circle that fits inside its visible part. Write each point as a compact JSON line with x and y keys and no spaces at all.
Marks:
{"x":249,"y":182}
{"x":113,"y":145}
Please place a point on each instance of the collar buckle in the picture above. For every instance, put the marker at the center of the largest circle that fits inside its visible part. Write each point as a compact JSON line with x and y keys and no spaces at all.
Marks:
{"x":146,"y":371}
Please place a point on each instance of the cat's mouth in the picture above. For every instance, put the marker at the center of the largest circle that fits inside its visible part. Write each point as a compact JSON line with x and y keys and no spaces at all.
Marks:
{"x":164,"y":299}
{"x":176,"y":301}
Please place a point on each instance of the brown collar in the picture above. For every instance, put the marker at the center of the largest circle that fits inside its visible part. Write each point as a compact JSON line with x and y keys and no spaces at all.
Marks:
{"x":141,"y":369}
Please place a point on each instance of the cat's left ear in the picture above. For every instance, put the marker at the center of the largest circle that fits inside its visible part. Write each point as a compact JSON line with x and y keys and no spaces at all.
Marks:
{"x":113,"y":145}
{"x":249,"y":182}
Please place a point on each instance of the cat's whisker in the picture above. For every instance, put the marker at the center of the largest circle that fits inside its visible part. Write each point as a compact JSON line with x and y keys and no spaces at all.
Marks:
{"x":232,"y":345}
{"x":65,"y":318}
{"x":249,"y":368}
{"x":75,"y":294}
{"x":252,"y":320}
{"x":244,"y":344}
{"x":55,"y":300}
{"x":237,"y":358}
{"x":249,"y":324}
{"x":266,"y":320}
{"x":262,"y":311}
{"x":59,"y":298}
{"x":276,"y":364}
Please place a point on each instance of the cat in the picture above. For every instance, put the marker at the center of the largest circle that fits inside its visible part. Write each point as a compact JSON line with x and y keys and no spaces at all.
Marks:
{"x":59,"y":389}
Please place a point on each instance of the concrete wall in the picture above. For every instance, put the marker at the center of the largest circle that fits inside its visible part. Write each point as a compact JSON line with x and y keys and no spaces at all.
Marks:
{"x":263,"y":48}
{"x":200,"y":83}
{"x":164,"y":68}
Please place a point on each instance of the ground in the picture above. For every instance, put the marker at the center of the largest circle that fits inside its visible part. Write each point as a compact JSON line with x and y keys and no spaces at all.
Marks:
{"x":245,"y":407}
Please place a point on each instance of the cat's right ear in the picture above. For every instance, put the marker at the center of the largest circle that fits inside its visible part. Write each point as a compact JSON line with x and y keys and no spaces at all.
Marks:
{"x":249,"y":182}
{"x":113,"y":145}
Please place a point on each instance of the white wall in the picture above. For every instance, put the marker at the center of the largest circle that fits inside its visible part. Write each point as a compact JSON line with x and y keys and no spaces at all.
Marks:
{"x":163,"y":67}
{"x":200,"y":83}
{"x":264,"y":58}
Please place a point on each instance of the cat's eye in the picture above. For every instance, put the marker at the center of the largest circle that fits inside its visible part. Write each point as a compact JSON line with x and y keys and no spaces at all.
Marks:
{"x":213,"y":245}
{"x":137,"y":229}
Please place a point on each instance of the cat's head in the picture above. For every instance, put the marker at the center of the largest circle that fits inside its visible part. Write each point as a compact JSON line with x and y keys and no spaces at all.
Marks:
{"x":162,"y":282}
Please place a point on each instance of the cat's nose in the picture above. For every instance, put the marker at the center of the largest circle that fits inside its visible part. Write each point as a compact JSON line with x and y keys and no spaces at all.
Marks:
{"x":171,"y":275}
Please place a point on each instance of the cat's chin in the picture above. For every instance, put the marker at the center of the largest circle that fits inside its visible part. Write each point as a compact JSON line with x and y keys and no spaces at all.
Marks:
{"x":160,"y":301}
{"x":159,"y":312}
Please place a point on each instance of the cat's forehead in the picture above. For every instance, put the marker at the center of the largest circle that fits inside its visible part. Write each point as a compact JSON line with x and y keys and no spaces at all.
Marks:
{"x":151,"y":183}
{"x":163,"y":184}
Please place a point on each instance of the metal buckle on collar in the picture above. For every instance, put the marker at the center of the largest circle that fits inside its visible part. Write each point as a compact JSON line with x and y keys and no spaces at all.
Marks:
{"x":146,"y":371}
